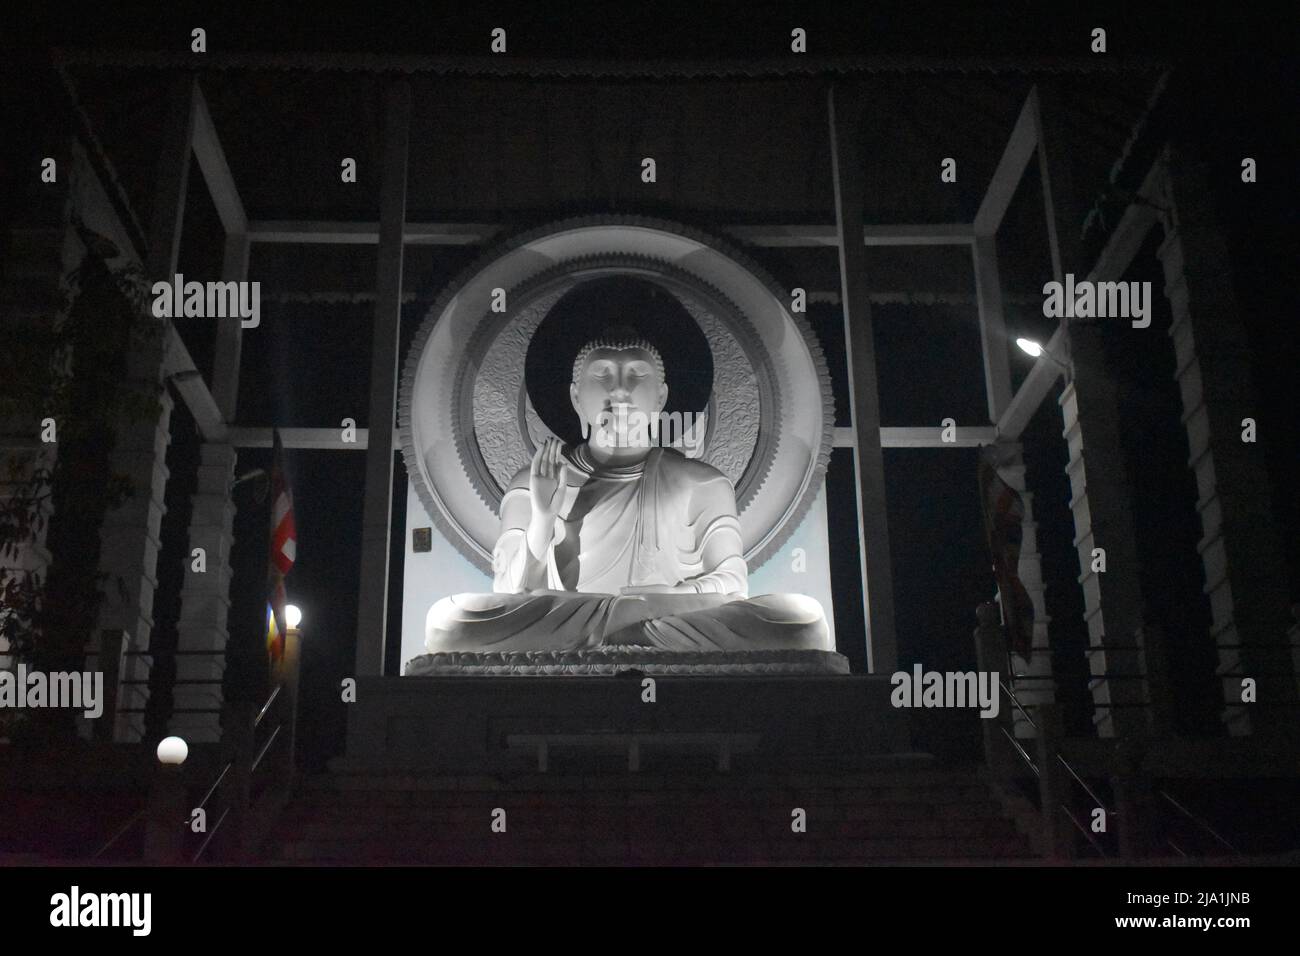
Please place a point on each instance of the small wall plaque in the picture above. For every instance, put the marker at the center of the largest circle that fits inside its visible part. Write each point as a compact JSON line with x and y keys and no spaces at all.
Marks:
{"x":421,"y":539}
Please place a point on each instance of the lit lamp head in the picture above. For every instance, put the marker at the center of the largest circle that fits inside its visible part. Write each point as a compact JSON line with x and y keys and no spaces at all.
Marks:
{"x":292,"y":616}
{"x":1030,"y":347}
{"x":172,"y":751}
{"x":1036,"y":349}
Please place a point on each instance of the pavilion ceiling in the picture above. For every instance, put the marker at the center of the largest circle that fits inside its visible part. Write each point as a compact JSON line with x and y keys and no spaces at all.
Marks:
{"x":511,"y":149}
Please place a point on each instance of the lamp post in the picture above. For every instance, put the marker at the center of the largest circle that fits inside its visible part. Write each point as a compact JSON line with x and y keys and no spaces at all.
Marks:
{"x":164,"y":834}
{"x":289,"y":670}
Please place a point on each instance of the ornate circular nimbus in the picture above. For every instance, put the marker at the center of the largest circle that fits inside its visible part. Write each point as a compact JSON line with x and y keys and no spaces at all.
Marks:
{"x":467,"y":423}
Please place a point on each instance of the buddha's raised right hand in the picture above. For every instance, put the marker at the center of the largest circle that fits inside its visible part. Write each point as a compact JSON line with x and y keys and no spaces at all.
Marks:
{"x":546,"y":483}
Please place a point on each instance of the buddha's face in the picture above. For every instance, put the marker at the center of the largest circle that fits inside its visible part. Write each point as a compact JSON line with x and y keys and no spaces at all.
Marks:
{"x":618,"y":394}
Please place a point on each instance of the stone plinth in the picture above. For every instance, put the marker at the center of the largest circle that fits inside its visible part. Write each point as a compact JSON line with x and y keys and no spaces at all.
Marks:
{"x":461,"y":724}
{"x":611,"y":661}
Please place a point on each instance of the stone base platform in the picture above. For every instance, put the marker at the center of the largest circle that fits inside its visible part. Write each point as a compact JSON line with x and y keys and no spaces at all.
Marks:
{"x":617,"y":660}
{"x":463,"y":724}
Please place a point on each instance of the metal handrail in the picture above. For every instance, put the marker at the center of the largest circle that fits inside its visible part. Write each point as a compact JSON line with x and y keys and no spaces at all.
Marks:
{"x":1084,"y":830}
{"x":265,"y":747}
{"x":1006,"y":689}
{"x":121,"y":832}
{"x":1086,"y":789}
{"x":1059,"y":756}
{"x":267,"y":706}
{"x":1021,"y":750}
{"x":1198,"y":821}
{"x":230,"y":763}
{"x":211,"y":833}
{"x":1015,"y":700}
{"x":213,"y":789}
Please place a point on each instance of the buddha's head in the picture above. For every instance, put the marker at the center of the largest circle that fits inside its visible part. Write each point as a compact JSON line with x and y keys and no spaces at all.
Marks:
{"x":618,"y":390}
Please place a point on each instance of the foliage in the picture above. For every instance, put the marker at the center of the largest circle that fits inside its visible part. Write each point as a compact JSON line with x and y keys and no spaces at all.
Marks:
{"x":76,"y":370}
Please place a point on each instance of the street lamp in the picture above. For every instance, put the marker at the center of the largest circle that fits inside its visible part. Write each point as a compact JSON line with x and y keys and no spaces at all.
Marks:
{"x":1030,"y":347}
{"x":1035,"y":348}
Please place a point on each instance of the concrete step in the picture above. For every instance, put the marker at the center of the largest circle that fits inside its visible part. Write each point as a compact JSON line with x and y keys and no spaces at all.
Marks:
{"x":509,"y":849}
{"x":469,"y":806}
{"x":647,"y":780}
{"x":888,"y":813}
{"x":576,"y":827}
{"x":372,"y":800}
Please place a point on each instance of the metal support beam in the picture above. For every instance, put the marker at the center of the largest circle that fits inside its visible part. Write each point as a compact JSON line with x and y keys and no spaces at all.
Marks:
{"x":844,"y":107}
{"x":776,"y":235}
{"x":1015,"y":417}
{"x":1011,"y":168}
{"x":1131,"y":231}
{"x":965,"y":436}
{"x":318,"y":439}
{"x":993,"y":330}
{"x":178,"y":366}
{"x":367,"y":233}
{"x":372,"y":610}
{"x":1111,"y":264}
{"x":230,"y":334}
{"x":787,"y":236}
{"x":173,"y":183}
{"x":216,"y":170}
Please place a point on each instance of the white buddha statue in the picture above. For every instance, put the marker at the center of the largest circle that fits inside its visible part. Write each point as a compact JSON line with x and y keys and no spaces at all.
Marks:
{"x":619,"y":542}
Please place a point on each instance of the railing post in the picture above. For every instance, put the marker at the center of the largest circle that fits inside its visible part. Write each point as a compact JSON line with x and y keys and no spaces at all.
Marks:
{"x":164,"y":836}
{"x":1134,"y":801}
{"x":990,"y":657}
{"x":1053,"y":783}
{"x":237,"y":721}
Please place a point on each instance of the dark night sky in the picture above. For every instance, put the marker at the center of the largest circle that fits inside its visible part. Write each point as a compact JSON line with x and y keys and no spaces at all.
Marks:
{"x":1247,"y":95}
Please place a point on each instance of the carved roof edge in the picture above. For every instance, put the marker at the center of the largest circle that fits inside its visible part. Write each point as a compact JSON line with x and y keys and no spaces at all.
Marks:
{"x":792,"y":65}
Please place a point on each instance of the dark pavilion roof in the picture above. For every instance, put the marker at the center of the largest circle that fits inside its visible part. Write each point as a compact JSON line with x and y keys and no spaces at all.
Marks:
{"x":569,"y":68}
{"x":516,"y":144}
{"x":509,"y":141}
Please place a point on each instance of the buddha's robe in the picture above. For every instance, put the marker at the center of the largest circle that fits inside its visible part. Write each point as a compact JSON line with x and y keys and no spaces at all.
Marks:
{"x":668,"y":521}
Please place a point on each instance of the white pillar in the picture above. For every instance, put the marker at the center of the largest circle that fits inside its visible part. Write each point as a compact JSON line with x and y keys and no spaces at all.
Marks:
{"x":1100,"y":498}
{"x":376,"y":522}
{"x":130,"y":536}
{"x":130,"y":540}
{"x":1245,"y":568}
{"x":845,"y":112}
{"x":993,"y":331}
{"x":203,"y":630}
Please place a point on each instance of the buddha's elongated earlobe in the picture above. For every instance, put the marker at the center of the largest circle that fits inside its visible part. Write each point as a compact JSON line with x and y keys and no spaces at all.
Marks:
{"x":586,"y":430}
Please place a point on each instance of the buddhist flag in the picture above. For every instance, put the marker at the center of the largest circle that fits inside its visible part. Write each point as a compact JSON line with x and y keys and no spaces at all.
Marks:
{"x":283,"y":550}
{"x":1004,"y":514}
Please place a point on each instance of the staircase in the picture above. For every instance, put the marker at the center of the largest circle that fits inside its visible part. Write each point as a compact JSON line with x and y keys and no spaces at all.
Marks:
{"x":898,"y":814}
